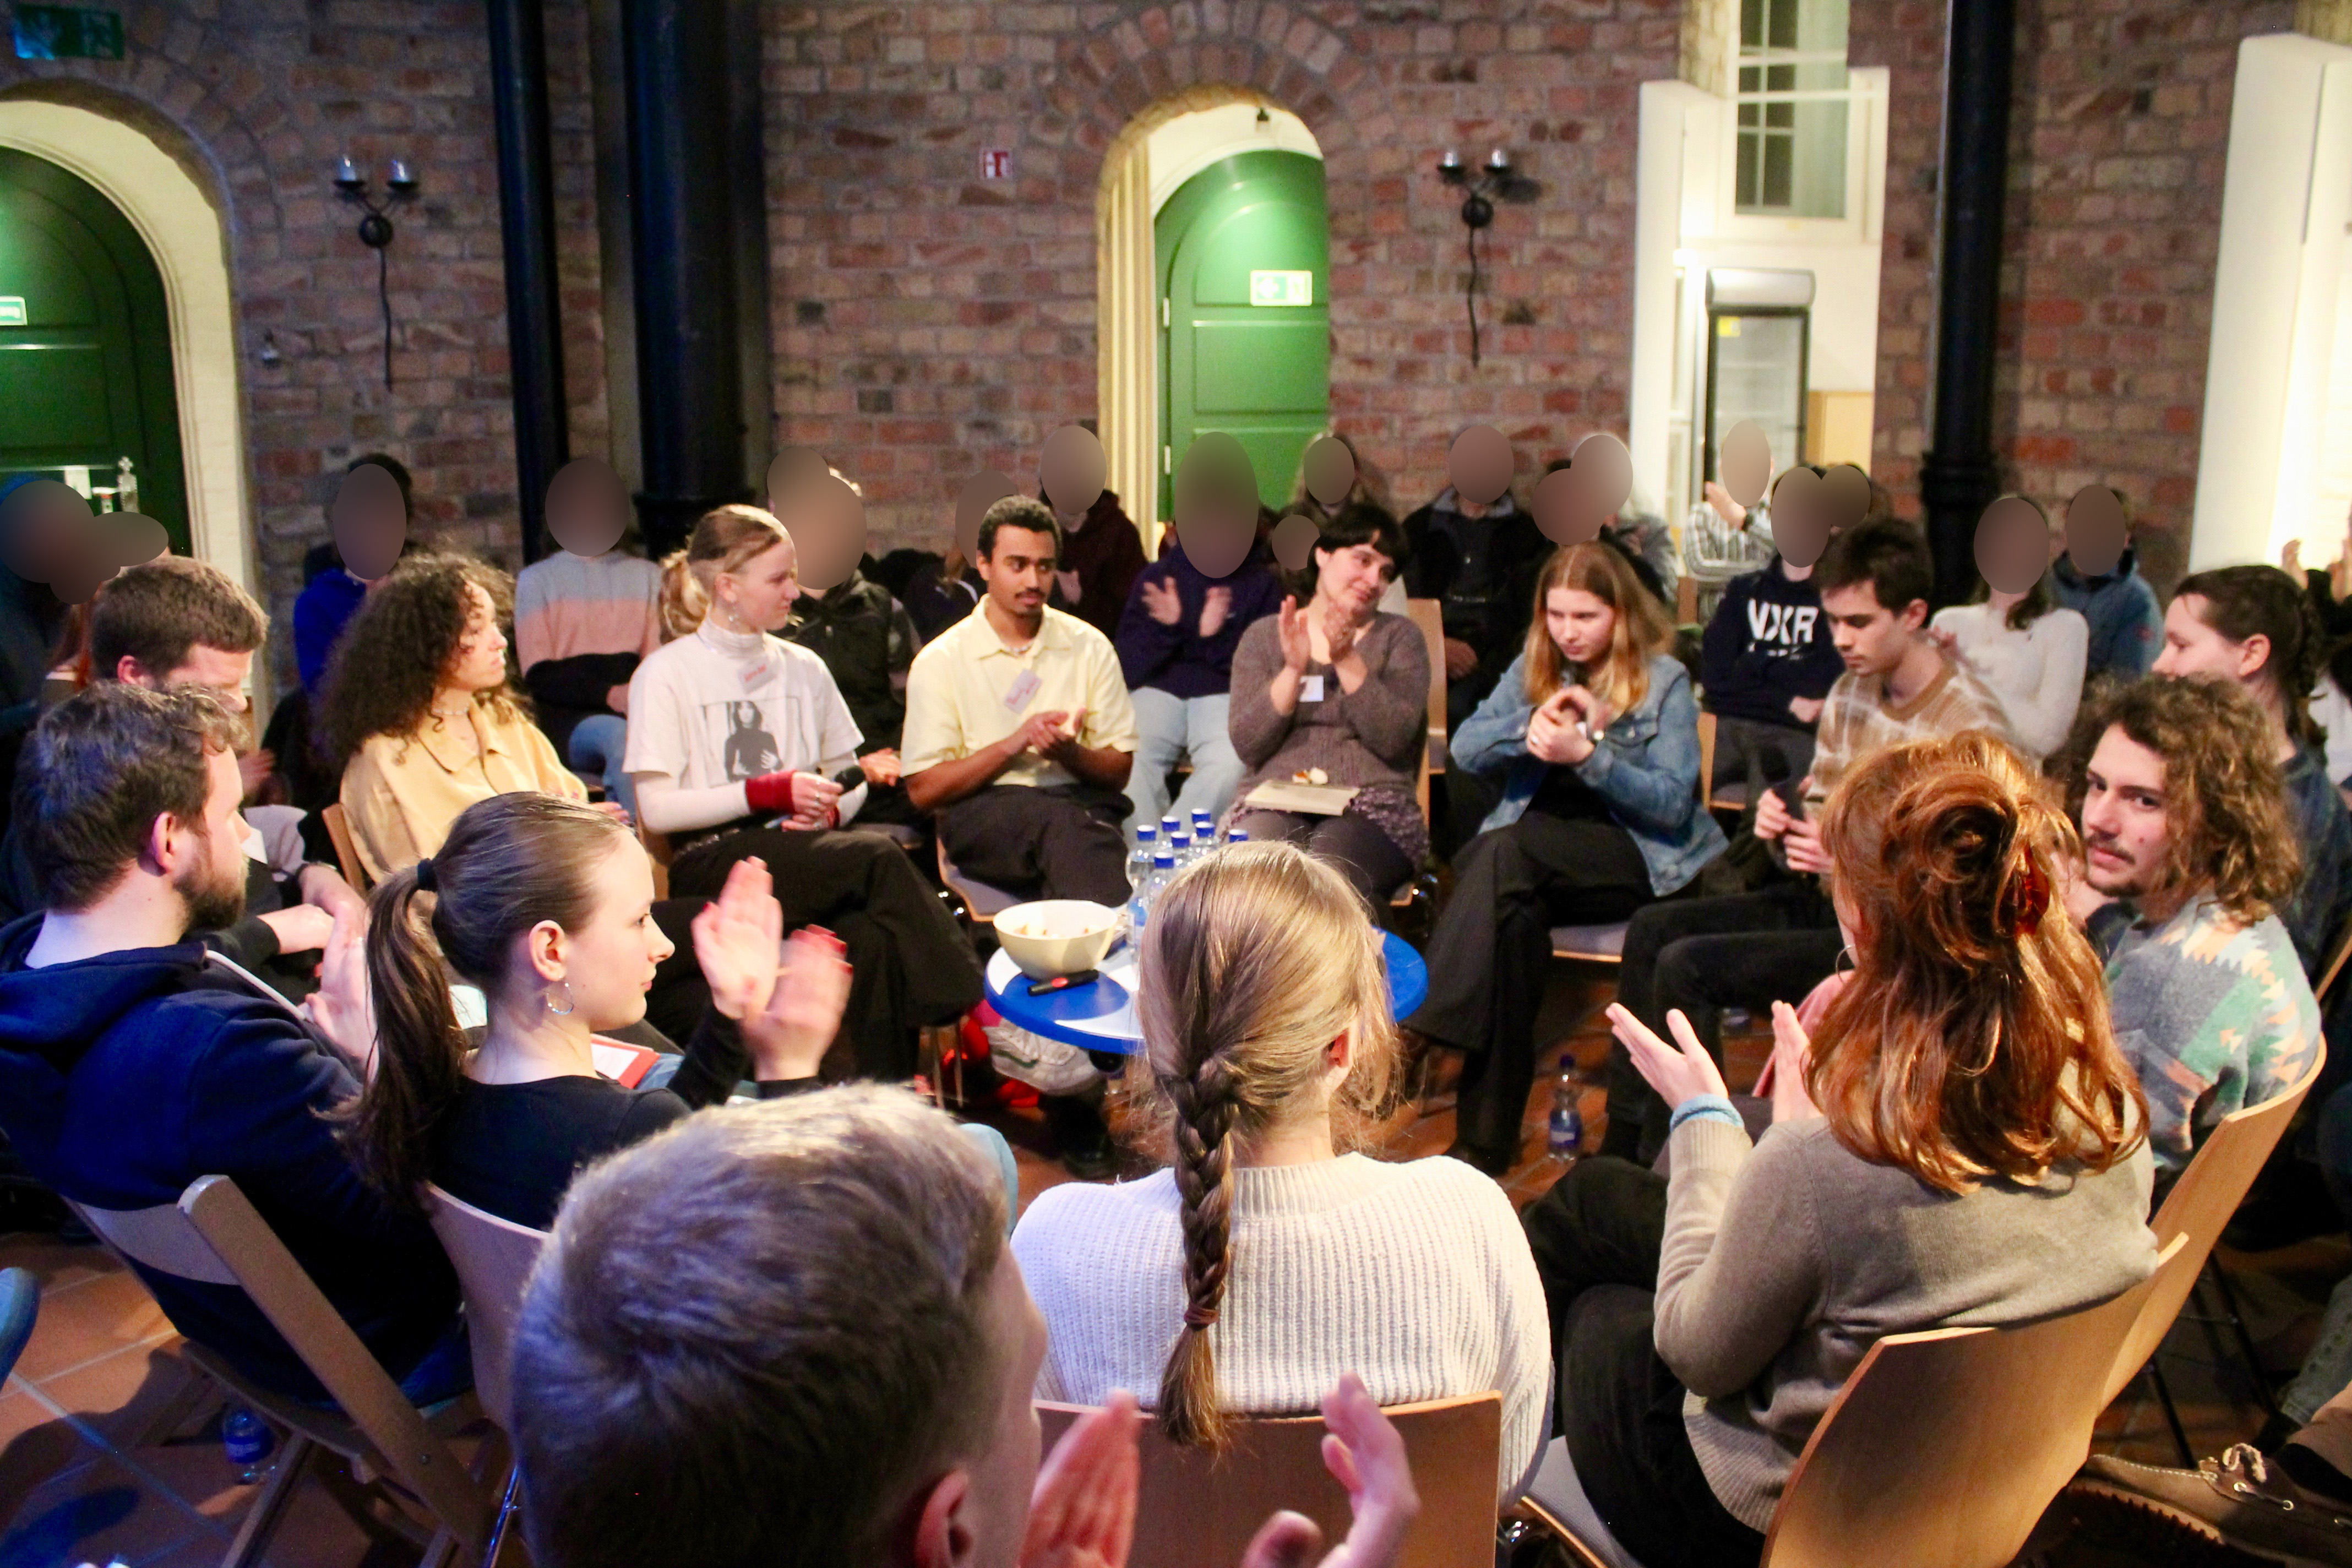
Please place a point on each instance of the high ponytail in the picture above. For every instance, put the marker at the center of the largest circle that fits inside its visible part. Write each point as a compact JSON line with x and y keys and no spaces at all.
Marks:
{"x":1975,"y":1041}
{"x":1256,"y":959}
{"x":509,"y":862}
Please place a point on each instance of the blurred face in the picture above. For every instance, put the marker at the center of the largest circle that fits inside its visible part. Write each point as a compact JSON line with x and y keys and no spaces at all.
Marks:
{"x":1003,"y":1477}
{"x":217,"y":670}
{"x":479,"y":660}
{"x":761,"y":593}
{"x":609,"y":962}
{"x":1352,"y":578}
{"x":212,"y":880}
{"x":2192,"y":647}
{"x":2125,"y":833}
{"x":1019,"y":572}
{"x":1580,"y":624}
{"x":1870,"y":638}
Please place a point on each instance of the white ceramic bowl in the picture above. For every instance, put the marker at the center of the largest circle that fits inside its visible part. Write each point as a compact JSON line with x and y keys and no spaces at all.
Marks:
{"x":1057,"y":936}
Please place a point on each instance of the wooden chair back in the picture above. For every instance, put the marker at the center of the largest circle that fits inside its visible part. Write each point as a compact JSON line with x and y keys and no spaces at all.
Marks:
{"x":1706,"y":756}
{"x":658,"y":851}
{"x":1945,"y":1448}
{"x":493,"y":1258}
{"x":2201,"y":1203}
{"x":2334,"y":967}
{"x":215,"y":1236}
{"x":1426,"y":615}
{"x":1193,"y":1508}
{"x":982,"y":902}
{"x":347,"y":851}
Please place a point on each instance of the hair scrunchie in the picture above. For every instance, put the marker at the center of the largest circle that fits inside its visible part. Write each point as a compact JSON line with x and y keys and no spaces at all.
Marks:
{"x":425,"y":875}
{"x":2032,"y":899}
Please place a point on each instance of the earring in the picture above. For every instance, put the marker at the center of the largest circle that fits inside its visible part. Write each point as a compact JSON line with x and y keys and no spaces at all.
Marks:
{"x":570,"y":1006}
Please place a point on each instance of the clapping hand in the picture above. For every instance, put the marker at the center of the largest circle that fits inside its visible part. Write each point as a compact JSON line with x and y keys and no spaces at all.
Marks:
{"x":736,"y":937}
{"x":1677,"y":1074}
{"x":1298,"y":643}
{"x":1783,"y":1077}
{"x":1367,"y":1457}
{"x":1066,"y":734}
{"x":1215,"y":607}
{"x":789,"y":1036}
{"x":343,"y":1009}
{"x":816,"y":801}
{"x":1082,"y":1510}
{"x":1161,"y":601}
{"x":880,"y":766}
{"x":1338,"y":635}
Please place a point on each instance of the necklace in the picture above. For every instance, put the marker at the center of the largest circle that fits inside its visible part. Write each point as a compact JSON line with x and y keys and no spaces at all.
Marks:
{"x":458,"y":712}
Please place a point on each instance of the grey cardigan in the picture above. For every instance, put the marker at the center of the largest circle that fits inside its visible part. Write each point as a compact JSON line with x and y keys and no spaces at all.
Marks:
{"x":1366,"y":737}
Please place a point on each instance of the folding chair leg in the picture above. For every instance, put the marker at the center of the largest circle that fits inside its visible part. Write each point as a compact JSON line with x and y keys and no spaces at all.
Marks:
{"x":507,"y":1506}
{"x":2263,"y":1391}
{"x":261,"y":1518}
{"x":2171,"y":1412}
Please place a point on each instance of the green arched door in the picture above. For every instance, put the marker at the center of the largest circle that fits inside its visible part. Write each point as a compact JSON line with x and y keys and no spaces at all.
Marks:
{"x":85,"y":343}
{"x":1245,"y":260}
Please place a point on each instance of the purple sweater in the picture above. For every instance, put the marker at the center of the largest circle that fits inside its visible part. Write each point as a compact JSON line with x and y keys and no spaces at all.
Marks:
{"x":1177,"y":660}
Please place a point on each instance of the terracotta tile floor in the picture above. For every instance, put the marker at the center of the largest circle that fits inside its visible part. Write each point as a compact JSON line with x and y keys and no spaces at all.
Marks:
{"x":75,"y":1486}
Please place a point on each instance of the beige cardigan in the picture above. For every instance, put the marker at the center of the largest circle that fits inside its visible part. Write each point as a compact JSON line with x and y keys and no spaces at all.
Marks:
{"x":401,"y":792}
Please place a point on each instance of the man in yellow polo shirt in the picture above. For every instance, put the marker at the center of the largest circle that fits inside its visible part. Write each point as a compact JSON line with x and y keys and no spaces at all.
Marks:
{"x":1019,"y":738}
{"x":1019,"y":731}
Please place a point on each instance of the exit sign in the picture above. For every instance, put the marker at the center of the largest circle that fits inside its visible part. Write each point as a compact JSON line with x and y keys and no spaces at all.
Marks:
{"x":12,"y":310}
{"x":1282,"y":287}
{"x":67,"y":33}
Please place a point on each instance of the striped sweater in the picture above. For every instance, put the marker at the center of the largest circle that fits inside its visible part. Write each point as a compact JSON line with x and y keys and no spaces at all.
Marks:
{"x":1857,"y":720}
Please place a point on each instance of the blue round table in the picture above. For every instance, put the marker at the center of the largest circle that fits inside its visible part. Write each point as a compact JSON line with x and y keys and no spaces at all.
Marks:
{"x":1101,"y":1015}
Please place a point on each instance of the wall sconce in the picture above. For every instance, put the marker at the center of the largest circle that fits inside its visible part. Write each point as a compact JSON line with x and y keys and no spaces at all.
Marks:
{"x":376,"y":230}
{"x":1495,"y":180}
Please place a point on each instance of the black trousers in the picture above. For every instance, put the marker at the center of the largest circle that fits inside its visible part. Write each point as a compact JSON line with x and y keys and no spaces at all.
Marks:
{"x":1701,"y":956}
{"x":1596,"y":1237}
{"x":1354,"y":846}
{"x":1060,"y":843}
{"x":910,"y":964}
{"x":1492,"y":949}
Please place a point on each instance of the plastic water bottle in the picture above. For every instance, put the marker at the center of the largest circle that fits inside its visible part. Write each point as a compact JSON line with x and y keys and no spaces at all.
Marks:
{"x":1138,"y":859}
{"x":248,"y":1439}
{"x":1567,"y":1135}
{"x":1181,"y":846}
{"x":1168,"y":827}
{"x":1163,"y":871}
{"x":1205,"y":831}
{"x":1236,"y":836}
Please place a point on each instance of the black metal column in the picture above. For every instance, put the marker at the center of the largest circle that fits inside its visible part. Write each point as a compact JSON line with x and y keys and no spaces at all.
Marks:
{"x":1958,"y":477}
{"x":689,"y":363}
{"x":527,"y":226}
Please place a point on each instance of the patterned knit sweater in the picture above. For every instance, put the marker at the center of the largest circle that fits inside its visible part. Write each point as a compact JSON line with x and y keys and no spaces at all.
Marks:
{"x":1415,"y":1277}
{"x":2214,"y":1017}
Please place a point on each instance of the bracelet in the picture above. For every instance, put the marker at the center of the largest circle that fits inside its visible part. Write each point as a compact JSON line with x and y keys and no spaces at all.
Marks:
{"x":1708,"y":1107}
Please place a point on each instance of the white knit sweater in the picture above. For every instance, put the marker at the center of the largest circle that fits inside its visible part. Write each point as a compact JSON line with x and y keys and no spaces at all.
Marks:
{"x":1414,"y":1276}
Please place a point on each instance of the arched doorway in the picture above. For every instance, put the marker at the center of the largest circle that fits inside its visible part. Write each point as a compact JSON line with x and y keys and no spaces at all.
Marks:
{"x":86,"y":386}
{"x":1175,"y":146}
{"x":184,"y":231}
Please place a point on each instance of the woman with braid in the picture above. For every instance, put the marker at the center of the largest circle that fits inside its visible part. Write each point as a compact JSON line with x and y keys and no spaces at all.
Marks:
{"x":1265,"y":1262}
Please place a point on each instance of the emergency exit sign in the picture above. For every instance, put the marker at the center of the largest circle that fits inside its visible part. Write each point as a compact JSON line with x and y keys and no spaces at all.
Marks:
{"x":12,"y":311}
{"x":68,"y":33}
{"x":1282,"y":287}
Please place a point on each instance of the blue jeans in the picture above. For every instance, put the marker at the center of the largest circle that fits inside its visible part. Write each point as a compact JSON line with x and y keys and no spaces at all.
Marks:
{"x":1168,"y":727}
{"x":598,"y":743}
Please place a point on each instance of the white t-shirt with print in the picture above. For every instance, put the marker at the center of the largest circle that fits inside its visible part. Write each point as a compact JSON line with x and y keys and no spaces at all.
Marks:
{"x":710,"y":710}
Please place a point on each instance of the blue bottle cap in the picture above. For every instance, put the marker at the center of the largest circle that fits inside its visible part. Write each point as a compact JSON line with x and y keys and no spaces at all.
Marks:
{"x":1163,"y":861}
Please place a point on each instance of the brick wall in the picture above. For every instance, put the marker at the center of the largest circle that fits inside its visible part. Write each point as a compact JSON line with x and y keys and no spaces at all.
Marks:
{"x":2119,"y":135}
{"x":260,"y":97}
{"x":929,"y":324}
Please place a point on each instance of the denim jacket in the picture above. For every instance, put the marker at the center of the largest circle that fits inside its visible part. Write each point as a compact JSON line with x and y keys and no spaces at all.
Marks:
{"x":1646,"y":766}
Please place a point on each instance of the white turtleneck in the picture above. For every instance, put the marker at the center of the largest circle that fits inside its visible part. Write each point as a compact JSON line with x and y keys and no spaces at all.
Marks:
{"x":710,"y":710}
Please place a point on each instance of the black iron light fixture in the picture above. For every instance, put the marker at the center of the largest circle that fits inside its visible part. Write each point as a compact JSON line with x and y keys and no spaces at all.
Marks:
{"x":1495,"y":180}
{"x":376,"y":229}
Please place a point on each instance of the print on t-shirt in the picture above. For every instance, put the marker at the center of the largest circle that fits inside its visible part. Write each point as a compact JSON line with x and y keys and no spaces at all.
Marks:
{"x":751,"y":750}
{"x":1780,"y":631}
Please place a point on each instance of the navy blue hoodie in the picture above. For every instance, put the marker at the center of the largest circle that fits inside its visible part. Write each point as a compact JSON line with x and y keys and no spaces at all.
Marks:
{"x":1767,"y":642}
{"x":1178,"y":660}
{"x":125,"y":1076}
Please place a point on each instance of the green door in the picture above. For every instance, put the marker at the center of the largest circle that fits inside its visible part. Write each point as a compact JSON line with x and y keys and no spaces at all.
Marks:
{"x":1245,"y":260}
{"x":85,"y":343}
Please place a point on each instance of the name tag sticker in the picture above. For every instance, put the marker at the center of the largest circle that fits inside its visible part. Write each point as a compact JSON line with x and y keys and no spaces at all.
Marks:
{"x":1310,"y":689}
{"x":1023,"y":688}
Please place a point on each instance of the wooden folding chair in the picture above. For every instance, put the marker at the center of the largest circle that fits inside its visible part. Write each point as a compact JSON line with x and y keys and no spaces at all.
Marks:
{"x":2334,"y":967}
{"x":347,"y":852}
{"x":2195,"y":1212}
{"x":1946,"y":1446}
{"x":493,"y":1257}
{"x":982,"y":902}
{"x":1194,"y":1507}
{"x":1606,"y":943}
{"x":215,"y":1236}
{"x":658,"y":851}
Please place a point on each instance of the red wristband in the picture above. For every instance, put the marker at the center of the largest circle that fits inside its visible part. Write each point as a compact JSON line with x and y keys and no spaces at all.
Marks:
{"x":769,"y":792}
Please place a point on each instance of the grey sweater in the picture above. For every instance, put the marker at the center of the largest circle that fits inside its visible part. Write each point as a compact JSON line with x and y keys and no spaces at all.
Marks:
{"x":1366,"y":737}
{"x":1785,"y":1261}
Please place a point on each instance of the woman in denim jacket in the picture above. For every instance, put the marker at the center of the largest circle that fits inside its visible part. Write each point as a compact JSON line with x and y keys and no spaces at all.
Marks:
{"x":1597,"y":732}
